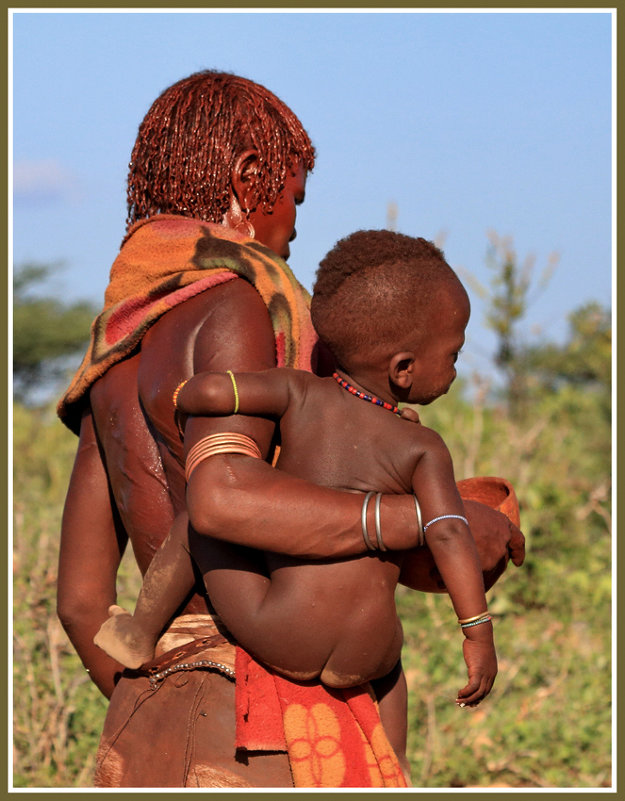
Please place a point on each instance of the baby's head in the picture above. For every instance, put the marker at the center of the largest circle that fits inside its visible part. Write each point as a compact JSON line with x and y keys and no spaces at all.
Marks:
{"x":387,"y":299}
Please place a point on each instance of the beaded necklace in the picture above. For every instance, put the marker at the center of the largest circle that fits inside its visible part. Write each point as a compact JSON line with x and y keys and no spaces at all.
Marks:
{"x":363,"y":396}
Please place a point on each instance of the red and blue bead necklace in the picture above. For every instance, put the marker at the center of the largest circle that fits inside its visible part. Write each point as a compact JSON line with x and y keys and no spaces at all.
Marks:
{"x":364,"y":396}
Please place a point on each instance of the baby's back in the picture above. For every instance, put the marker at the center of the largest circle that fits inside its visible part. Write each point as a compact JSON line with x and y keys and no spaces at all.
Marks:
{"x":331,"y":438}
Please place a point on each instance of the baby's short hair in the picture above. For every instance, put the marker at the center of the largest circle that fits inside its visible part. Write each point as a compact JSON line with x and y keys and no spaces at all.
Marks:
{"x":373,"y":289}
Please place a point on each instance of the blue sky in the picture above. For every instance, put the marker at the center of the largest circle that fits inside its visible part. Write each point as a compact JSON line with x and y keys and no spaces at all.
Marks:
{"x":467,"y":122}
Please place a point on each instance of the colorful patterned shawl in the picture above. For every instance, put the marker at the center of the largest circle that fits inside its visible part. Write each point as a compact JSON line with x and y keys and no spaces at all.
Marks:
{"x":163,"y":262}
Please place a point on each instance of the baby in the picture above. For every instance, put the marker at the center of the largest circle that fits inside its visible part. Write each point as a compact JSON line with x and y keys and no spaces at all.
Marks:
{"x":393,"y":313}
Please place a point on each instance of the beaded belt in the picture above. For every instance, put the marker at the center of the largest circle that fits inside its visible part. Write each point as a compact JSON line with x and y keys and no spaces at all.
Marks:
{"x":181,"y":658}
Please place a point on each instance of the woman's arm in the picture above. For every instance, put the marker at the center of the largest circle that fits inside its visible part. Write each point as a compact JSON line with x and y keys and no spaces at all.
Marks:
{"x":250,"y":503}
{"x":497,"y":539}
{"x":90,"y":552}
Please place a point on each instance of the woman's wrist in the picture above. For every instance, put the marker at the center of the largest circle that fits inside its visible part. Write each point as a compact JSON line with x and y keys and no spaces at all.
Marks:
{"x":398,"y":522}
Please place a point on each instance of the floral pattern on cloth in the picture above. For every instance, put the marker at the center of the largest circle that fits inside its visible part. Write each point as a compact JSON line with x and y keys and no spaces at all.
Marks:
{"x":333,"y":737}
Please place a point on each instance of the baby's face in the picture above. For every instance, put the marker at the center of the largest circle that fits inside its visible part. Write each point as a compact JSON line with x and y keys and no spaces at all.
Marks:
{"x":435,"y":370}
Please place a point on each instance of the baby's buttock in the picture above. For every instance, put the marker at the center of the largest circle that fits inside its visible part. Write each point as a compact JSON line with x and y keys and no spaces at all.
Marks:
{"x":349,"y":607}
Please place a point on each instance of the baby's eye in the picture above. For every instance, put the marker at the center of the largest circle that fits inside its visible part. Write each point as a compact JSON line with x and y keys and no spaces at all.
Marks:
{"x":456,"y":354}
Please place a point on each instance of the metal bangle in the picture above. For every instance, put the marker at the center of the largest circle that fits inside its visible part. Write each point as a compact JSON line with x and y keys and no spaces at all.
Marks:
{"x":485,"y":619}
{"x":420,"y":535}
{"x":471,"y":619}
{"x":363,"y":520}
{"x":378,"y":529}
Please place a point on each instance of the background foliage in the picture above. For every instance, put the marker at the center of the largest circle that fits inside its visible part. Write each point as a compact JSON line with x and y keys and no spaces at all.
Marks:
{"x":547,"y":723}
{"x":47,"y":331}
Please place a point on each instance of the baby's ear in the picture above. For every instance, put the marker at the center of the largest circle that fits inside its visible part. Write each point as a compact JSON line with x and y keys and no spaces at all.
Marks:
{"x":401,"y":369}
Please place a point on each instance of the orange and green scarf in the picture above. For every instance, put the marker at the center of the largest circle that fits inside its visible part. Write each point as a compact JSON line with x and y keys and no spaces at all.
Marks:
{"x":168,"y":259}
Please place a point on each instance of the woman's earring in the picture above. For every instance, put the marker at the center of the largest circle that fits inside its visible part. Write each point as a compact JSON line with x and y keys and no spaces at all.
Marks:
{"x":237,"y":219}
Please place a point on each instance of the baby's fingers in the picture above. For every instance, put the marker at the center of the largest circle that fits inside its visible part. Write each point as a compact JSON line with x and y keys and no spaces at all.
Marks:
{"x":474,"y":692}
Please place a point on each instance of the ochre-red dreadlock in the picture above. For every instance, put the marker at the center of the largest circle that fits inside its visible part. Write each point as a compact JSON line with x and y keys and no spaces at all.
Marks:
{"x":191,"y":137}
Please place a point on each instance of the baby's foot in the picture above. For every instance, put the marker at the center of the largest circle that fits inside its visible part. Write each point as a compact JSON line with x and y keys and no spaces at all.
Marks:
{"x":121,"y":638}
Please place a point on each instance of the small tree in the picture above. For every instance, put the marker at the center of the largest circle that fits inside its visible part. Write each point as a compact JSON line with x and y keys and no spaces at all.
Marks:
{"x":583,"y":361}
{"x":47,"y":332}
{"x":512,"y":290}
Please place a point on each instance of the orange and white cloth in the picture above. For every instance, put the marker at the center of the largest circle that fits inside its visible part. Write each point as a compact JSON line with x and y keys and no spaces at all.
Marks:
{"x":333,"y":737}
{"x":164,"y":261}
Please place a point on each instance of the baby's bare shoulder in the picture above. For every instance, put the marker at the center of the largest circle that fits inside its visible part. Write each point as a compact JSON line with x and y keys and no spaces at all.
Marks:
{"x":305,"y":383}
{"x":420,"y":438}
{"x":299,"y":382}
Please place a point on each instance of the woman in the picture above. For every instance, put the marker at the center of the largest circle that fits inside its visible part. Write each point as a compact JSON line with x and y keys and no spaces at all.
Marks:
{"x":216,"y":174}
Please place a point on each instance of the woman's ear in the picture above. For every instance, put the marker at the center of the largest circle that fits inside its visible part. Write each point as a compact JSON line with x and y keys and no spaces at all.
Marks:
{"x":401,"y":369}
{"x":244,"y":180}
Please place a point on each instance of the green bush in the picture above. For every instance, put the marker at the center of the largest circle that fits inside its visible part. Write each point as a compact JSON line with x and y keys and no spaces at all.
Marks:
{"x":547,"y":722}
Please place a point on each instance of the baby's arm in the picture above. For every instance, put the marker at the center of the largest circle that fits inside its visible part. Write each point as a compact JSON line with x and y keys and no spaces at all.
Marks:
{"x":265,"y":392}
{"x":453,"y":549}
{"x":168,"y":581}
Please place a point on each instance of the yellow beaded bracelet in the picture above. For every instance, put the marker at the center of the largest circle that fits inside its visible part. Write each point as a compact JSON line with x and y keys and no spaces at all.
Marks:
{"x":236,"y":391}
{"x":174,"y":397}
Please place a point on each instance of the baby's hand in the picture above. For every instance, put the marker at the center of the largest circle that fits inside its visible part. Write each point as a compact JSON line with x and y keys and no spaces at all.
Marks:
{"x":409,"y":414}
{"x":481,"y":662}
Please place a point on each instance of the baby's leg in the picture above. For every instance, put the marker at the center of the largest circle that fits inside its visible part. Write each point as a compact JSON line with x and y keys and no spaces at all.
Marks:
{"x":264,"y":615}
{"x":392,"y":695}
{"x":130,"y":639}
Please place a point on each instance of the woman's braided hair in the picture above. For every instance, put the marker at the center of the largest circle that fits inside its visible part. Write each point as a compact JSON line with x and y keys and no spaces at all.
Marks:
{"x":192,"y":136}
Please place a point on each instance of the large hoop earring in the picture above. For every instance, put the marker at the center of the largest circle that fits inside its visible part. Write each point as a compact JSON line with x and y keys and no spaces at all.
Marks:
{"x":237,"y":219}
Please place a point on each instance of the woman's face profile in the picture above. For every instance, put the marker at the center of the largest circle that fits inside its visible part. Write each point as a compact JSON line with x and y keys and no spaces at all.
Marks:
{"x":276,"y":229}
